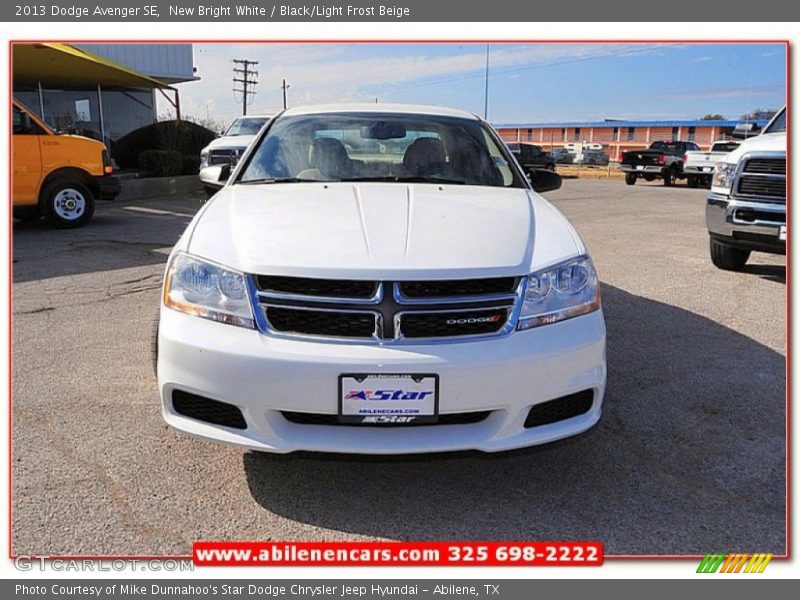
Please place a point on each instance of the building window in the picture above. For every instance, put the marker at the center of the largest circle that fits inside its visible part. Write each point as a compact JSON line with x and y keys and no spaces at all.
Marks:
{"x":576,"y":135}
{"x":631,"y":133}
{"x":615,"y":135}
{"x":692,"y":133}
{"x":530,"y":134}
{"x":564,"y":134}
{"x":675,"y":133}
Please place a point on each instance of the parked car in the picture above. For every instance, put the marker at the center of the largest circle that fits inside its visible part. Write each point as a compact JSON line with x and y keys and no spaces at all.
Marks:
{"x":699,"y":166}
{"x":531,"y":156}
{"x":57,"y":176}
{"x":663,"y":160}
{"x":746,"y":210}
{"x":562,"y":156}
{"x":592,"y":157}
{"x":229,"y":147}
{"x":432,"y":293}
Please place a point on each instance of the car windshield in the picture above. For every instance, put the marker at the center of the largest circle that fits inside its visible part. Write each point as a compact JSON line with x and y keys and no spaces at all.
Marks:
{"x":667,"y":147}
{"x":380,"y":147}
{"x":779,"y":124}
{"x":725,"y":147}
{"x":246,"y":126}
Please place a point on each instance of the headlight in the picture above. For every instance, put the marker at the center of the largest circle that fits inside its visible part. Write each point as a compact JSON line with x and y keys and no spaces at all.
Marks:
{"x":203,"y":159}
{"x":723,"y":177}
{"x":203,"y":289}
{"x":560,"y":292}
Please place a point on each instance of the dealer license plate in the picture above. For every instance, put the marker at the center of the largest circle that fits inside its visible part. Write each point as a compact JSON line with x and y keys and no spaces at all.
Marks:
{"x":640,"y":167}
{"x":782,"y":233}
{"x":380,"y":399}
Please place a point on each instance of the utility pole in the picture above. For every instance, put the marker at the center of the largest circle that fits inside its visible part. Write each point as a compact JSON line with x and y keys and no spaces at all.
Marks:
{"x":285,"y":87}
{"x":247,"y":77}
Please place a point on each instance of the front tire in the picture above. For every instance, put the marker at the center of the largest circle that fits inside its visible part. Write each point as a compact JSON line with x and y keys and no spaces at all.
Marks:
{"x":727,"y":257}
{"x":68,"y":203}
{"x":692,"y":181}
{"x":630,"y":178}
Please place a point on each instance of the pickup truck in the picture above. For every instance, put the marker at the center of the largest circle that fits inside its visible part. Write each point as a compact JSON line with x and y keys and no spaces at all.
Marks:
{"x":746,"y":209}
{"x":336,"y":297}
{"x":530,"y":156}
{"x":699,"y":166}
{"x":663,"y":160}
{"x":55,"y":175}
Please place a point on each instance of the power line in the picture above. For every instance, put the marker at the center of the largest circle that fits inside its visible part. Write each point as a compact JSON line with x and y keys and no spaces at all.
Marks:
{"x":247,"y":77}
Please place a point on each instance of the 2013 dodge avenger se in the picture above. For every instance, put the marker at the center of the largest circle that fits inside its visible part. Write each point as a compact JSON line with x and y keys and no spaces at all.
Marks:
{"x":380,"y":279}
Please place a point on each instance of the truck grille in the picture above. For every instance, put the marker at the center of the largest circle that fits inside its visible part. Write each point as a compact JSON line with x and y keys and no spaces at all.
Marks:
{"x":385,"y":311}
{"x":763,"y":179}
{"x":224,"y":156}
{"x":771,"y":166}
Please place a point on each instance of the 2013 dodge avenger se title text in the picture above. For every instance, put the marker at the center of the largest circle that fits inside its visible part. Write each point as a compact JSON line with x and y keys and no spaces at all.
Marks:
{"x":380,"y":279}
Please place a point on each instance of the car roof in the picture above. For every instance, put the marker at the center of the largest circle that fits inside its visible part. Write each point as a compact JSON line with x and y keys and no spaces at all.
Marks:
{"x":407,"y":109}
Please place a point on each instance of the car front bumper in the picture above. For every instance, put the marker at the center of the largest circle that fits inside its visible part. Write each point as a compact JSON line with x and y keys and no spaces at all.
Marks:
{"x":746,"y":224}
{"x":264,"y":375}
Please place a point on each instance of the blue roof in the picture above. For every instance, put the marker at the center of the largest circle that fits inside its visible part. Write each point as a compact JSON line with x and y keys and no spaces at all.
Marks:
{"x":574,"y":124}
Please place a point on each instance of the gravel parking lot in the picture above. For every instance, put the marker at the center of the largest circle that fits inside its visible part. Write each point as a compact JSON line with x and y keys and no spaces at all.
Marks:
{"x":689,"y":457}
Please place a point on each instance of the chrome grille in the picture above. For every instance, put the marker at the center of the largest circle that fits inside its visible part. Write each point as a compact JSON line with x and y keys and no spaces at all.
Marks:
{"x":224,"y":156}
{"x":382,"y":312}
{"x":763,"y":178}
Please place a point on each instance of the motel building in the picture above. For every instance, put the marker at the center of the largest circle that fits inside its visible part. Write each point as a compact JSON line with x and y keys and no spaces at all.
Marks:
{"x":616,"y":136}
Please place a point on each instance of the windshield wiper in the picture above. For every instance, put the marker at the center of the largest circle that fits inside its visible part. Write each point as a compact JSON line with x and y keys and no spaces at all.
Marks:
{"x":409,"y":179}
{"x":277,"y":180}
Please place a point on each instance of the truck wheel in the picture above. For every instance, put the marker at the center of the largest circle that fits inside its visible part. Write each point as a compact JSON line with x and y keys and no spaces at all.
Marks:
{"x":669,"y":176}
{"x":691,"y":181}
{"x":726,"y":257}
{"x":630,"y":178}
{"x":68,"y":203}
{"x":27,"y":214}
{"x":551,"y":167}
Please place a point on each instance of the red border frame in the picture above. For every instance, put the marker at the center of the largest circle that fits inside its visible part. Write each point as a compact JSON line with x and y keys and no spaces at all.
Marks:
{"x":707,"y":41}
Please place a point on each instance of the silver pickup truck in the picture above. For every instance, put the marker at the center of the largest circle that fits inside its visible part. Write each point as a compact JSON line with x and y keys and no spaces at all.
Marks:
{"x":746,"y":209}
{"x":699,"y":166}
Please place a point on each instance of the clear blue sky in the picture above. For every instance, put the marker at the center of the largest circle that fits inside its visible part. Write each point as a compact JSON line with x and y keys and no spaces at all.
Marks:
{"x":527,"y":82}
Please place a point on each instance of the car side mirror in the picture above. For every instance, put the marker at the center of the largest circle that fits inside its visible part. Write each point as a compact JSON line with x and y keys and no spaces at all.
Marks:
{"x":544,"y":180}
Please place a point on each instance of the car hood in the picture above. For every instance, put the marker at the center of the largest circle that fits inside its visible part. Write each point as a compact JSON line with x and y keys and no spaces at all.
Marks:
{"x":381,"y":230}
{"x":767,"y":142}
{"x":233,"y":141}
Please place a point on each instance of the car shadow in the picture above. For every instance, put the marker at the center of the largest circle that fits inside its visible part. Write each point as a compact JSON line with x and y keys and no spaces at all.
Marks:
{"x":775,"y":273}
{"x":689,"y":455}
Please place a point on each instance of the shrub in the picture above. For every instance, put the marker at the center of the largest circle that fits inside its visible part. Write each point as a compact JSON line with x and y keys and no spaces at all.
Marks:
{"x":161,"y":163}
{"x":191,"y":164}
{"x":183,"y":137}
